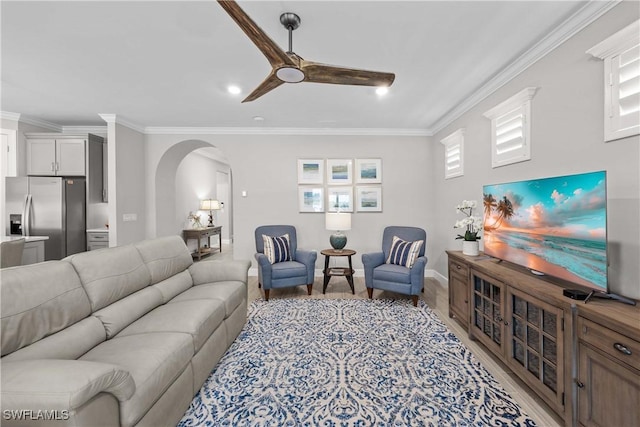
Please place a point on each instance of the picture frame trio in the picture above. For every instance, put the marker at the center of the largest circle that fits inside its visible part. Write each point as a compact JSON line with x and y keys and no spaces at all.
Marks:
{"x":341,"y":174}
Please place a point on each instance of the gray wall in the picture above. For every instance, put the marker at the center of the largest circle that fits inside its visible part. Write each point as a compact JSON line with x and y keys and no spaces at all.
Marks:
{"x":567,"y":137}
{"x":265,"y":166}
{"x":126,"y":185}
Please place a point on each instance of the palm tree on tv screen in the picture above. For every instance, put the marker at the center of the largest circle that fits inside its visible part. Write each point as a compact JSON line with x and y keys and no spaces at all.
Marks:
{"x":504,"y":208}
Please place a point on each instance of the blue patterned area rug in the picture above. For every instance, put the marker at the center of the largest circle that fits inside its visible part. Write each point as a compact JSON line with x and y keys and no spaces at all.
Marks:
{"x":305,"y":362}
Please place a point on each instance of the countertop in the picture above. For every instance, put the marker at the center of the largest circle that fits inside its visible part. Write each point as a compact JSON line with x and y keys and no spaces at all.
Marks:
{"x":98,"y":230}
{"x":26,"y":239}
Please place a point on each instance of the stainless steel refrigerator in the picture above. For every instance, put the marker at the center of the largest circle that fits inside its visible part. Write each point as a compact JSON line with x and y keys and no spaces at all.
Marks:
{"x":48,"y":206}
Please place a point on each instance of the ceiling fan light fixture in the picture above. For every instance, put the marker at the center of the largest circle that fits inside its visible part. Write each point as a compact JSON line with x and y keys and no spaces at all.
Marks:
{"x":234,"y":90}
{"x":382,"y":90}
{"x":290,"y":75}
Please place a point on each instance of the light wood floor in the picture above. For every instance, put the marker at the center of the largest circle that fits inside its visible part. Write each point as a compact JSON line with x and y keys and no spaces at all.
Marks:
{"x":436,"y":297}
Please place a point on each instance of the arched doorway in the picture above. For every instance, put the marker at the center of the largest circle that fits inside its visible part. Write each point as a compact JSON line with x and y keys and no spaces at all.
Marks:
{"x":169,"y":219}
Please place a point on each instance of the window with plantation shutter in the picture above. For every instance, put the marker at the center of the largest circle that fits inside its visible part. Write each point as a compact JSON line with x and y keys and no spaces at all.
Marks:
{"x":621,"y":55}
{"x":511,"y":129}
{"x":454,"y":154}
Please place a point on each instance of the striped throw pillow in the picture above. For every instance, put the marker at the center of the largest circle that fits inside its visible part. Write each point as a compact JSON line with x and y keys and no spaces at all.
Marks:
{"x":277,"y":249}
{"x":403,"y":252}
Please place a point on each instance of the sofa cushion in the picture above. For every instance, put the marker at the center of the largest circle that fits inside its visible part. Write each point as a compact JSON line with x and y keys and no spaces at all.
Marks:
{"x":174,"y":285}
{"x":69,"y":343}
{"x":154,"y":361}
{"x":392,"y":273}
{"x":196,"y":318}
{"x":165,"y":256}
{"x":124,"y":312}
{"x":231,"y":293}
{"x":108,"y":276}
{"x":38,"y":300}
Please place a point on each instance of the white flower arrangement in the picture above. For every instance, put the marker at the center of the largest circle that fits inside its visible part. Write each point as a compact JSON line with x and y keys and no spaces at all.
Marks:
{"x":472,"y":224}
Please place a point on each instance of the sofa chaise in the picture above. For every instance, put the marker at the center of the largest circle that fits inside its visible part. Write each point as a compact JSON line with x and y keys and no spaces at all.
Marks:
{"x":124,"y":336}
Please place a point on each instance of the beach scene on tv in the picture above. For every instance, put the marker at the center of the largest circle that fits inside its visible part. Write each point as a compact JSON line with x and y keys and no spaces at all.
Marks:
{"x":556,"y":226}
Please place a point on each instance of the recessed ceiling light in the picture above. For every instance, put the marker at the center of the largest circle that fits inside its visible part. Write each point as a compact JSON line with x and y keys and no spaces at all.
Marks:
{"x":234,"y":90}
{"x":258,"y":118}
{"x":382,"y":91}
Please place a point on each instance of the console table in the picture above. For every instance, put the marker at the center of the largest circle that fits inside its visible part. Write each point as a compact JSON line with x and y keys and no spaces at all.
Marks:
{"x":583,"y":360}
{"x":200,"y":234}
{"x":347,"y":272}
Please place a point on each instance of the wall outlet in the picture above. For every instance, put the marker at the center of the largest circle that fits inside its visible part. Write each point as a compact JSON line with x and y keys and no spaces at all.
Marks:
{"x":130,"y":217}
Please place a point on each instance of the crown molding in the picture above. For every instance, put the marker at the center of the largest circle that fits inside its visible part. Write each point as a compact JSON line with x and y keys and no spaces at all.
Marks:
{"x":114,"y":118}
{"x":578,"y":21}
{"x":38,"y":122}
{"x":6,"y":115}
{"x":284,"y":131}
{"x":100,"y":130}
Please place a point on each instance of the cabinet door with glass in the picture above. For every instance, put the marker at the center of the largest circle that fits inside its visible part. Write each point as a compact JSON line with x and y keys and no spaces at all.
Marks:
{"x":487,"y":317}
{"x":535,"y":345}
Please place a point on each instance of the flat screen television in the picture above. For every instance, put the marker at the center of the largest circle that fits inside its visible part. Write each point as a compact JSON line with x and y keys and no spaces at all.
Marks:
{"x":555,"y":226}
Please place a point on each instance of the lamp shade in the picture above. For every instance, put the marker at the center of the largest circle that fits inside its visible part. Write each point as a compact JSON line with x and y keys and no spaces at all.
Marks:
{"x":209,"y":205}
{"x":339,"y":221}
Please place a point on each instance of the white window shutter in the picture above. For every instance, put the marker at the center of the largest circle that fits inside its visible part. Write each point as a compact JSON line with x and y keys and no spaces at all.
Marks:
{"x":625,"y":70}
{"x":454,"y":154}
{"x":621,"y":55}
{"x":511,"y":129}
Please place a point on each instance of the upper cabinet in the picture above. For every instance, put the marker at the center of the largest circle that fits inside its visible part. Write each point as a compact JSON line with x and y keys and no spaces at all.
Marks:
{"x":56,"y":157}
{"x":53,"y":154}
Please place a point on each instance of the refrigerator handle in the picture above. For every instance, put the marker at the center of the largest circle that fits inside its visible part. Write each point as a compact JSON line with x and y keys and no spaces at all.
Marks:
{"x":26,"y":216}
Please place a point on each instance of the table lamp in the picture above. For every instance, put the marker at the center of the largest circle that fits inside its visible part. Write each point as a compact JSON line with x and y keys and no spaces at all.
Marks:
{"x":338,"y":221}
{"x":210,"y":205}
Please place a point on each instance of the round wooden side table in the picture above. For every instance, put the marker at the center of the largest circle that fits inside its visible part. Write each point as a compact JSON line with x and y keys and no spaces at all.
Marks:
{"x":347,"y":272}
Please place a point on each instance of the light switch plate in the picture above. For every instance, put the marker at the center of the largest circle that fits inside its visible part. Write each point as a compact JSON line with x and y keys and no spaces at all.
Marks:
{"x":129,"y":217}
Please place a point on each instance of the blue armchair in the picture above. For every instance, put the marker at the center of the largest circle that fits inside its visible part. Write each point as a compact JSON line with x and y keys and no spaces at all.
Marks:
{"x":299,"y":270}
{"x":393,"y":275}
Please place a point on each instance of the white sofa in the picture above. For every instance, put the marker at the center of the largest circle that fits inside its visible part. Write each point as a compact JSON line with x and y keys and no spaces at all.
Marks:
{"x":120,"y":336}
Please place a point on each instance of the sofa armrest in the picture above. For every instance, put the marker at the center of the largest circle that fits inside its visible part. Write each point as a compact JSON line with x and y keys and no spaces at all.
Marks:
{"x":371,"y":261}
{"x":219,"y":271}
{"x":60,"y":385}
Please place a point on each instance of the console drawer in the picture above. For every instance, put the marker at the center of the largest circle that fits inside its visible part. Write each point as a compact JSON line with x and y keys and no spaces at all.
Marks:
{"x":459,"y":269}
{"x":620,"y":347}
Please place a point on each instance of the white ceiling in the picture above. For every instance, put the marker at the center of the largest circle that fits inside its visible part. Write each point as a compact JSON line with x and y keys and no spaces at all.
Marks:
{"x":168,"y":63}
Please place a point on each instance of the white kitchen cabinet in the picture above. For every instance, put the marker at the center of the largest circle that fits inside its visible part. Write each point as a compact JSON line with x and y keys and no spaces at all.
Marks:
{"x":33,"y":252}
{"x":57,"y":154}
{"x":56,"y":157}
{"x":97,"y":239}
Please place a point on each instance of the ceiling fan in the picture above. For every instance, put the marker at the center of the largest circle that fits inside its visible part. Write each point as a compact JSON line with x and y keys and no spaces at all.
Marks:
{"x":288,"y":67}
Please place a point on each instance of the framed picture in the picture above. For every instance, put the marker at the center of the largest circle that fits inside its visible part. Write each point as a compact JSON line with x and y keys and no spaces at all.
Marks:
{"x":311,"y":199}
{"x":368,"y":171}
{"x":340,"y":199}
{"x":369,"y":199}
{"x":339,"y":171}
{"x":310,"y":171}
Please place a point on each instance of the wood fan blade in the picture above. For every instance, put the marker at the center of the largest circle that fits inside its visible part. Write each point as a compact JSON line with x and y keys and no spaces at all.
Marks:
{"x":268,"y":47}
{"x":322,"y":73}
{"x":270,"y":83}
